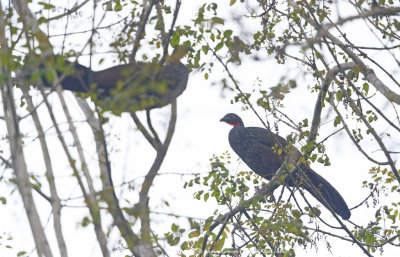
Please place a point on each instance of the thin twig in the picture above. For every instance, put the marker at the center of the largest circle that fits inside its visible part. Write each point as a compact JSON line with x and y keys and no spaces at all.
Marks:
{"x":147,"y":7}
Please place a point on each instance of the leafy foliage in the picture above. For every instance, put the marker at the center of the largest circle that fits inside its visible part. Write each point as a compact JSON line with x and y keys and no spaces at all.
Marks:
{"x":351,"y":88}
{"x":309,"y":34}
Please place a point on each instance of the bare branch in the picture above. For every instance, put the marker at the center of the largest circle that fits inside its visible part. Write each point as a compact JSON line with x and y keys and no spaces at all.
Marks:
{"x":368,"y":73}
{"x":70,"y":11}
{"x":91,"y":201}
{"x":352,"y":138}
{"x":137,"y":246}
{"x":17,"y":155}
{"x":369,"y":13}
{"x":374,"y":134}
{"x":153,"y":131}
{"x":30,"y":21}
{"x":144,"y":131}
{"x":54,"y":200}
{"x":322,"y":94}
{"x":167,"y":38}
{"x":236,"y":84}
{"x":149,"y":178}
{"x":147,"y":7}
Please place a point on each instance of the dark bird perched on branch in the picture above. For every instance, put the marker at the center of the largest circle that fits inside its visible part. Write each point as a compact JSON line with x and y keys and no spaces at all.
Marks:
{"x":259,"y":149}
{"x":127,"y":87}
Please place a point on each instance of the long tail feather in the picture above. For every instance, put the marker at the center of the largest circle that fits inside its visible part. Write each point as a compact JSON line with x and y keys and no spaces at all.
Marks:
{"x":330,"y":195}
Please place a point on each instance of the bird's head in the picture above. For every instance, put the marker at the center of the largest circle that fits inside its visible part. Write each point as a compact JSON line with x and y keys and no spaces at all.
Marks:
{"x":232,"y":119}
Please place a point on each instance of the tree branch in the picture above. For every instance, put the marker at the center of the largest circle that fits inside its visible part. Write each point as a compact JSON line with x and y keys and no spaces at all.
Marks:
{"x":147,"y":7}
{"x":17,"y":155}
{"x":91,"y":201}
{"x":54,"y":200}
{"x":149,"y":178}
{"x":352,"y":138}
{"x":373,"y":12}
{"x":108,"y":193}
{"x":144,"y":131}
{"x":368,"y":73}
{"x":70,"y":11}
{"x":322,"y":94}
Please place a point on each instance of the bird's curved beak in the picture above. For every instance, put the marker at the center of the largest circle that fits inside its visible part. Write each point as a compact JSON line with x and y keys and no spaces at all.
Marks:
{"x":222,"y":120}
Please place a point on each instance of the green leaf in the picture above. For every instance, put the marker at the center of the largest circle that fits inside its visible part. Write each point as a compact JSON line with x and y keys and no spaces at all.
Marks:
{"x":3,"y":200}
{"x":339,"y":95}
{"x":118,"y":6}
{"x":174,"y":227}
{"x":217,"y":20}
{"x":208,"y":222}
{"x":171,"y":240}
{"x":292,"y":83}
{"x":85,"y":222}
{"x":219,"y":46}
{"x":175,"y":40}
{"x":220,"y":243}
{"x":370,"y":239}
{"x":321,"y":17}
{"x":13,"y":30}
{"x":366,"y":87}
{"x":206,"y":195}
{"x":174,"y":241}
{"x":21,"y":253}
{"x":375,"y":229}
{"x":296,"y":213}
{"x":185,"y":246}
{"x":327,"y":162}
{"x":232,"y":2}
{"x":313,"y":157}
{"x":47,"y":6}
{"x":228,"y":33}
{"x":204,"y":49}
{"x":337,"y":121}
{"x":194,"y":233}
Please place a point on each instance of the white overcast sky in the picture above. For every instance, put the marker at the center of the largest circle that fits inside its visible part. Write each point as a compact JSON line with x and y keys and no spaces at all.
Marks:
{"x":198,"y":136}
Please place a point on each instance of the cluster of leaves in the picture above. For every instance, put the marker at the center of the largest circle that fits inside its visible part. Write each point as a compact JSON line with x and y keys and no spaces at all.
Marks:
{"x":284,"y":26}
{"x":384,"y":228}
{"x":375,"y":234}
{"x":275,"y":226}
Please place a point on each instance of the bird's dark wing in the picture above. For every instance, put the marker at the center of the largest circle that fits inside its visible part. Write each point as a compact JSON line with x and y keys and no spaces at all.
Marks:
{"x":259,"y":149}
{"x":266,"y":137}
{"x":106,"y":79}
{"x":142,"y":82}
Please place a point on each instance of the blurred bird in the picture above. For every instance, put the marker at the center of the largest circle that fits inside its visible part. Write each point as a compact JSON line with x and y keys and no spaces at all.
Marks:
{"x":127,"y":87}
